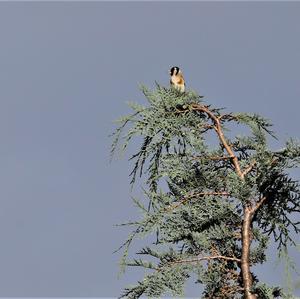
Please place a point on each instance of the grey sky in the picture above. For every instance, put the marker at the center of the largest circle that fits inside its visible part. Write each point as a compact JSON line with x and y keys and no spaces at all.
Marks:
{"x":66,"y":71}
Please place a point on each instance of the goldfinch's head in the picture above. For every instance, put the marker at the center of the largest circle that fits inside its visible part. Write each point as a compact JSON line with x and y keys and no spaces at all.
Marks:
{"x":175,"y":70}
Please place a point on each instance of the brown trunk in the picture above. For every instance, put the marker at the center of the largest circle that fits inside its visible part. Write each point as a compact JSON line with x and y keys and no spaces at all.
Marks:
{"x":248,"y":212}
{"x":245,"y":263}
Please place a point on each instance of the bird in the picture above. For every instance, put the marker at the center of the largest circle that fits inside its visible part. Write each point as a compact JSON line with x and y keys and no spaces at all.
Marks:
{"x":177,"y":80}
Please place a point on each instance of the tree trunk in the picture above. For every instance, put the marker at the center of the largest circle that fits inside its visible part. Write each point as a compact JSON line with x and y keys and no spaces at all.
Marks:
{"x":245,"y":264}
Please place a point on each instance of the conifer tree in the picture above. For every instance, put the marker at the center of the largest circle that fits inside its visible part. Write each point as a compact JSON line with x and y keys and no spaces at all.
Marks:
{"x":214,"y":198}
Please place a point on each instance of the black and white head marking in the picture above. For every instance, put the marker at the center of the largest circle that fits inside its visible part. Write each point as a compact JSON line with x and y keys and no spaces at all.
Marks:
{"x":174,"y":70}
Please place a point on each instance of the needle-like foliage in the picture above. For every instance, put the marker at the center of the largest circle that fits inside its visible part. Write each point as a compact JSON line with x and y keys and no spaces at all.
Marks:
{"x":212,"y":206}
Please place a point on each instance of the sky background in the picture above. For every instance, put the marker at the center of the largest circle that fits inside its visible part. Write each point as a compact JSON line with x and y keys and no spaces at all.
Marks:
{"x":66,"y":71}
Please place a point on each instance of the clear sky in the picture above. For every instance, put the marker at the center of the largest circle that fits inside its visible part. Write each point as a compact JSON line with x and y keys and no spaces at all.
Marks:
{"x":66,"y":71}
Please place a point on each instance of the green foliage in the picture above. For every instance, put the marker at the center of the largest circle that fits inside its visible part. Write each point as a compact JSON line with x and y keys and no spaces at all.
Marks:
{"x":266,"y":292}
{"x":194,"y":197}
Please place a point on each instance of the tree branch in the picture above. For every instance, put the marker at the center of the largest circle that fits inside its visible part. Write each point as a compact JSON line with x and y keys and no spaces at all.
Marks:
{"x":200,"y":194}
{"x":258,"y":204}
{"x":219,"y":131}
{"x":214,"y":158}
{"x":249,"y":168}
{"x":206,"y":258}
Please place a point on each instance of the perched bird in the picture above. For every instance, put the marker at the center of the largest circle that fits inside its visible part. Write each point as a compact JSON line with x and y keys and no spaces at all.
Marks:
{"x":177,"y":80}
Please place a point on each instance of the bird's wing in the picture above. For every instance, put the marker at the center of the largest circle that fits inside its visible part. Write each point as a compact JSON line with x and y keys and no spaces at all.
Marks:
{"x":180,"y":81}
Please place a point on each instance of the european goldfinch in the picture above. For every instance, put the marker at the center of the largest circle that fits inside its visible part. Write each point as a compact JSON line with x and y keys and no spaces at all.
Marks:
{"x":177,"y":80}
